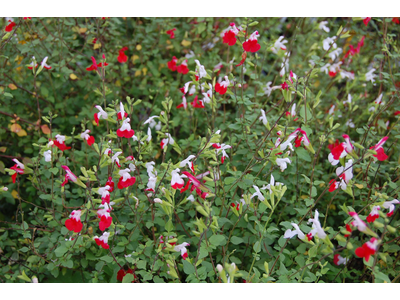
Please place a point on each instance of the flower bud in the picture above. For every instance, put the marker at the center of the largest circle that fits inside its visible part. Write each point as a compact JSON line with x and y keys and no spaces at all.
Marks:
{"x":220,"y":268}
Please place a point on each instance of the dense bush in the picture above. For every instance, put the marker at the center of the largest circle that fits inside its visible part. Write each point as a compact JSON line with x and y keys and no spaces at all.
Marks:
{"x":196,"y":150}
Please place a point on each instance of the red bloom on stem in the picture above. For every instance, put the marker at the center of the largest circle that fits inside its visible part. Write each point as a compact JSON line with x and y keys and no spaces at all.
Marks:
{"x":197,"y":103}
{"x":74,"y":222}
{"x":348,"y":228}
{"x":366,"y":21}
{"x":229,"y":34}
{"x":285,"y":86}
{"x":252,"y":45}
{"x":60,"y":142}
{"x":110,"y":183}
{"x":374,"y":214}
{"x":171,"y":33}
{"x":182,"y":68}
{"x":18,"y":168}
{"x":95,"y":66}
{"x":10,"y":26}
{"x":222,"y":87}
{"x":125,"y":130}
{"x":122,"y":113}
{"x":172,"y":64}
{"x":368,"y":249}
{"x":105,"y":217}
{"x":396,"y":20}
{"x":122,"y":58}
{"x":89,"y":139}
{"x":126,"y":179}
{"x":380,"y":155}
{"x":103,"y":240}
{"x":332,"y":74}
{"x":244,"y":56}
{"x":121,"y":274}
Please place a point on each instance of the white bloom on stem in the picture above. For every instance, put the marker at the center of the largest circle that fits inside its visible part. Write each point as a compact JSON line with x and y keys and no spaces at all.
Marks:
{"x":279,"y":44}
{"x":325,"y":68}
{"x":335,"y":53}
{"x":369,"y":76}
{"x":20,"y":165}
{"x":349,"y":98}
{"x":115,"y":158}
{"x":361,"y":226}
{"x":188,"y":162}
{"x":148,"y":134}
{"x":47,"y":155}
{"x":291,"y":233}
{"x":326,"y":44}
{"x":101,"y":112}
{"x":200,"y":68}
{"x":258,"y":194}
{"x":390,"y":205}
{"x":263,"y":117}
{"x":271,"y":184}
{"x":347,"y":175}
{"x":150,"y":119}
{"x":151,"y":172}
{"x":282,"y":163}
{"x":316,"y":227}
{"x":322,"y":25}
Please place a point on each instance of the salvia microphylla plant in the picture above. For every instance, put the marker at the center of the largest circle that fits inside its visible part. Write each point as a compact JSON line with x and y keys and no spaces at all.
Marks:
{"x":200,"y":150}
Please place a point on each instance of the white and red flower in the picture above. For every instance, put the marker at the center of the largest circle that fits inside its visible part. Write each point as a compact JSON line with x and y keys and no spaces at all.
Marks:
{"x":361,"y":226}
{"x":44,"y":63}
{"x":110,"y":183}
{"x":279,"y":44}
{"x":103,"y":240}
{"x":115,"y":159}
{"x":348,"y":145}
{"x":182,"y":248}
{"x":60,"y":142}
{"x":176,"y":180}
{"x":200,"y":69}
{"x":338,"y":260}
{"x":338,"y":151}
{"x":251,"y":44}
{"x":390,"y":205}
{"x":208,"y":96}
{"x":292,"y":112}
{"x":151,"y":184}
{"x":18,"y":168}
{"x":68,"y":176}
{"x":374,"y":214}
{"x":126,"y":130}
{"x":122,"y":113}
{"x":344,"y":178}
{"x":196,"y":184}
{"x":104,"y":192}
{"x":222,"y":148}
{"x":104,"y":215}
{"x":101,"y":114}
{"x":183,"y":68}
{"x":380,"y":153}
{"x":196,"y":103}
{"x":188,"y":162}
{"x":167,"y":140}
{"x":367,"y":249}
{"x":222,"y":86}
{"x":126,"y":179}
{"x":89,"y":139}
{"x":229,"y":34}
{"x":74,"y":222}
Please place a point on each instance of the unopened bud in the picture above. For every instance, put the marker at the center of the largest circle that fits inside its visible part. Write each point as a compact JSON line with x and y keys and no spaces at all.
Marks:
{"x":5,"y":189}
{"x":220,"y":268}
{"x":158,"y":200}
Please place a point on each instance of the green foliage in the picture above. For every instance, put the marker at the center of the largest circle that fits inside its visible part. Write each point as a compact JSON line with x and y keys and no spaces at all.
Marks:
{"x":235,"y":218}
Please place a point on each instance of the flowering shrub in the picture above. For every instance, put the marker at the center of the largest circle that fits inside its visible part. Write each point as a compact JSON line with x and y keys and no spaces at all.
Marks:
{"x":199,"y":150}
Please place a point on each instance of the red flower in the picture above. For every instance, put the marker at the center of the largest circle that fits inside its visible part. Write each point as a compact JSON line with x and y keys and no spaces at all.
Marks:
{"x":171,"y":33}
{"x":368,"y":249}
{"x":125,"y":130}
{"x":197,"y":103}
{"x":183,"y":68}
{"x":172,"y":64}
{"x":110,"y":183}
{"x":74,"y":222}
{"x":366,"y":21}
{"x":285,"y":86}
{"x":396,"y":20}
{"x":10,"y":26}
{"x":244,"y":56}
{"x":348,"y":228}
{"x":95,"y":66}
{"x":103,"y":240}
{"x":380,"y":153}
{"x":121,"y":274}
{"x":222,"y":87}
{"x":252,"y":45}
{"x":122,"y":58}
{"x":229,"y":38}
{"x":126,"y":179}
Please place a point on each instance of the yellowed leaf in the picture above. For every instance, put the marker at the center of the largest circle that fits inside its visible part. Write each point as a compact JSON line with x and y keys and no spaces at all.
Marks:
{"x":22,"y":132}
{"x":73,"y":76}
{"x":3,"y":149}
{"x":15,"y":128}
{"x":14,"y":193}
{"x":12,"y":86}
{"x":45,"y":129}
{"x":186,"y":43}
{"x":82,"y":30}
{"x":144,"y":70}
{"x":94,"y":123}
{"x":168,"y":42}
{"x":304,"y":197}
{"x":97,"y":45}
{"x":118,"y":83}
{"x":138,"y":73}
{"x":360,"y":186}
{"x":135,"y":57}
{"x":139,"y":47}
